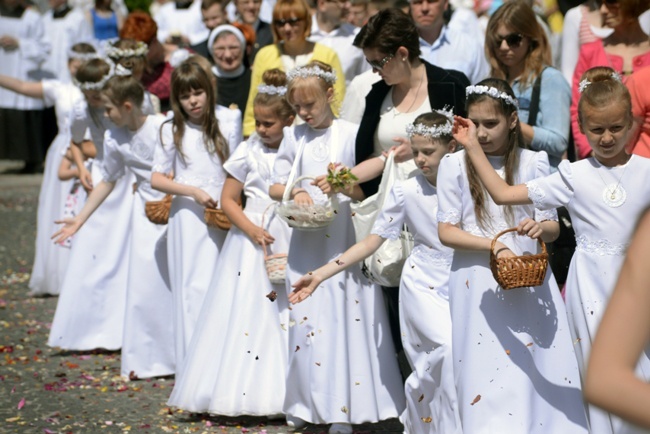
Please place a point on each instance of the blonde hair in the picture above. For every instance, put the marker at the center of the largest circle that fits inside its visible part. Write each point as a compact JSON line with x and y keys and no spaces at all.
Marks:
{"x":313,"y":85}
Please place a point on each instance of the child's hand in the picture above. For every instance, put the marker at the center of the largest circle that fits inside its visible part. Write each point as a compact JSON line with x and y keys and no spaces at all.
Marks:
{"x":402,"y":150}
{"x":70,"y":227}
{"x":302,"y":198}
{"x":85,"y":178}
{"x":325,"y":187}
{"x":464,"y":132}
{"x":502,"y":251}
{"x":259,"y":236}
{"x":304,"y":287}
{"x":203,"y":198}
{"x":530,"y":227}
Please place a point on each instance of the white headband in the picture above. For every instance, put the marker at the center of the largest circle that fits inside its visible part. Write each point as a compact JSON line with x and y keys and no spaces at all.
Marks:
{"x":435,"y":131}
{"x":493,"y":92}
{"x":314,"y":71}
{"x":226,"y":28}
{"x":140,"y":49}
{"x":585,"y":83}
{"x":97,"y":85}
{"x":272,"y":90}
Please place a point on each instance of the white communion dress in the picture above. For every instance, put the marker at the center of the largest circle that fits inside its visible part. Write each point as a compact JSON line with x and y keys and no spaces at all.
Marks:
{"x":514,"y":361}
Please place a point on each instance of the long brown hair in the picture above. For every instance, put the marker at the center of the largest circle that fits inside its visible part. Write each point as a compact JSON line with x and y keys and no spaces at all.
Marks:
{"x":520,"y":18}
{"x":185,"y":78}
{"x":511,"y":157}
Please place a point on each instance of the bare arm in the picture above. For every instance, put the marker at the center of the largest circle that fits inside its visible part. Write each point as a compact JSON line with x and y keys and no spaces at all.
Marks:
{"x":230,"y":194}
{"x":308,"y":283}
{"x":623,"y":334}
{"x":369,"y":169}
{"x":501,"y":192}
{"x":299,"y":195}
{"x":66,"y":171}
{"x":72,"y":225}
{"x":27,"y":88}
{"x":527,"y":132}
{"x":161,"y":182}
{"x":85,"y":177}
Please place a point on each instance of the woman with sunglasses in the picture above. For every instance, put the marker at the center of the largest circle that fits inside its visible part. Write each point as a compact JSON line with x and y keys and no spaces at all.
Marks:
{"x":291,"y":26}
{"x":518,"y":51}
{"x":625,"y":50}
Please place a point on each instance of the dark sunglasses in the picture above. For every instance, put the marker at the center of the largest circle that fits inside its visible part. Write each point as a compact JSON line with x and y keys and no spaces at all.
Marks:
{"x":379,"y":64}
{"x":513,"y":40}
{"x":291,"y":21}
{"x":610,"y":2}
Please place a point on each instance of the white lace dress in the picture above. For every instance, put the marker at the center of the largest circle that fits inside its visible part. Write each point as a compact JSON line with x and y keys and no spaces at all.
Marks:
{"x":425,"y":320}
{"x":514,"y":362}
{"x":603,"y":233}
{"x":237,"y":360}
{"x":193,"y":247}
{"x":342,"y":364}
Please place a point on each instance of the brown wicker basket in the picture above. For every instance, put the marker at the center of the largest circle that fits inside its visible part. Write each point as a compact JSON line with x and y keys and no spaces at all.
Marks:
{"x":216,"y":218}
{"x":157,"y":211}
{"x":521,"y":271}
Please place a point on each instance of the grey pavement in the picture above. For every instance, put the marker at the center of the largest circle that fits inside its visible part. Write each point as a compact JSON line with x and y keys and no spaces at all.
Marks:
{"x":43,"y":390}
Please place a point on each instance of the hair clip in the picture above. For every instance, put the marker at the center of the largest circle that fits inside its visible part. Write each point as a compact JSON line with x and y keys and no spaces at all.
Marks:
{"x":82,"y":56}
{"x":493,"y":92}
{"x":271,"y":90}
{"x":314,"y":71}
{"x":140,"y":49}
{"x":447,"y":112}
{"x":616,"y":76}
{"x":97,"y":85}
{"x":179,"y":56}
{"x":583,"y":85}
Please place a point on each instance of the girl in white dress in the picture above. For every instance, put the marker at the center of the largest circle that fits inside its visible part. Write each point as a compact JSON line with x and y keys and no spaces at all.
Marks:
{"x":237,"y":360}
{"x":91,"y":306}
{"x":147,"y":349}
{"x":514,"y":362}
{"x":342,"y":365}
{"x":50,"y":261}
{"x":191,"y":146}
{"x":425,"y":321}
{"x":605,"y":195}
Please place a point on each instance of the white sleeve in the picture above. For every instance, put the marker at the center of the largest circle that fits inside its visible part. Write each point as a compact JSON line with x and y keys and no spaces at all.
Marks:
{"x":449,"y":186}
{"x":390,"y":220}
{"x":570,"y":42}
{"x":165,"y":152}
{"x":112,"y":167}
{"x":284,"y":160}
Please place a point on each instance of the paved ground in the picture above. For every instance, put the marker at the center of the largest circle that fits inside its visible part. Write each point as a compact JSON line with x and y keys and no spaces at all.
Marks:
{"x":47,"y":391}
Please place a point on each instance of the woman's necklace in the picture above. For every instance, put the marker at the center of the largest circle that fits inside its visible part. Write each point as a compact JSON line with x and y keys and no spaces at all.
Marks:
{"x":415,"y":98}
{"x":614,"y":195}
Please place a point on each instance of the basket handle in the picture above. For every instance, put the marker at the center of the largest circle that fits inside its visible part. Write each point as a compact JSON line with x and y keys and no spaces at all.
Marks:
{"x":262,"y":225}
{"x":494,"y":240}
{"x":287,"y":190}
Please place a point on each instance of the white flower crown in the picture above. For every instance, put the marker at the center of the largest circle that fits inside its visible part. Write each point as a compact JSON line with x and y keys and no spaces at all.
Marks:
{"x":493,"y":92}
{"x":585,"y":83}
{"x":141,"y":49}
{"x":314,"y":71}
{"x":82,"y":56}
{"x":97,"y":85}
{"x":272,"y":90}
{"x":435,"y":131}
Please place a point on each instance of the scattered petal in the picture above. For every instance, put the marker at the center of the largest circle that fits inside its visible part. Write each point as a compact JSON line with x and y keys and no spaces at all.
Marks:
{"x":426,"y":419}
{"x":477,"y":399}
{"x":21,"y":404}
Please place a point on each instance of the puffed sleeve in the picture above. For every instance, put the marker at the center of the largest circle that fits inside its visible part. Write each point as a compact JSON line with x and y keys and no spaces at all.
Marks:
{"x":554,"y":190}
{"x":286,"y":155}
{"x":237,"y":165}
{"x":543,"y":169}
{"x":51,"y":91}
{"x":390,"y":220}
{"x":80,"y":121}
{"x":163,"y":156}
{"x":449,"y":186}
{"x":112,"y":167}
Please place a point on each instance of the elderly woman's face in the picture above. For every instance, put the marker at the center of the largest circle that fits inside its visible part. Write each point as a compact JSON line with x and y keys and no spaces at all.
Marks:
{"x":291,"y":28}
{"x":227,"y":52}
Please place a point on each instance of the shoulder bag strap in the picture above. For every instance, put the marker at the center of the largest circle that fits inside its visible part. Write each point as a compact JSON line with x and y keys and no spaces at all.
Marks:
{"x":534,"y":100}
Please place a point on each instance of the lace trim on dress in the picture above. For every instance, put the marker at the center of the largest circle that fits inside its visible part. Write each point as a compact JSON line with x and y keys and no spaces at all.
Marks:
{"x":279,"y":180}
{"x":198,"y":181}
{"x":388,"y":231}
{"x":451,"y":216}
{"x":549,"y":214}
{"x":535,"y":193}
{"x":600,"y":247}
{"x":432,"y":256}
{"x":487,"y":232}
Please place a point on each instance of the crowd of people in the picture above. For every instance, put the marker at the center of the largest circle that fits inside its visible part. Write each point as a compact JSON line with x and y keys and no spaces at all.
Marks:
{"x":201,"y":205}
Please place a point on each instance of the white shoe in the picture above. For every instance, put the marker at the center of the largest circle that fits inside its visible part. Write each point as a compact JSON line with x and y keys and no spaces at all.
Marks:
{"x":295,"y":422}
{"x":341,"y":428}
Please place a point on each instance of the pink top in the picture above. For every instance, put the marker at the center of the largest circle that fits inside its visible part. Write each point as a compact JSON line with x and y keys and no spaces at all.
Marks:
{"x":640,"y":92}
{"x":586,"y":35}
{"x":593,"y":54}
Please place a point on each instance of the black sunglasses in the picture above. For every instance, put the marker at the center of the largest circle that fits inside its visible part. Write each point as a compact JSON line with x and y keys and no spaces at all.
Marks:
{"x":610,"y":2}
{"x":291,"y":21}
{"x":513,"y":40}
{"x":378,"y":65}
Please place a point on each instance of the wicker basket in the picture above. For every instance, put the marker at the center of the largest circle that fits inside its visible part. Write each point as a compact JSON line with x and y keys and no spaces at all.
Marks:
{"x":157,"y":211}
{"x":521,"y":271}
{"x":306,"y":218}
{"x":216,"y":218}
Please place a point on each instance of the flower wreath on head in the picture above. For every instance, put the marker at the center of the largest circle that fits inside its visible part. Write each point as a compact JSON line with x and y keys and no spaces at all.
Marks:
{"x":82,"y":56}
{"x":141,"y":49}
{"x":314,"y":71}
{"x":269,"y":89}
{"x":585,"y":83}
{"x":435,"y":131}
{"x":493,"y":92}
{"x":118,"y":70}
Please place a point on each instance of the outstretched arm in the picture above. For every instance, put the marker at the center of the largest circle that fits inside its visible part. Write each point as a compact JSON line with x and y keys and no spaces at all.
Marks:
{"x":308,"y":283}
{"x":66,"y":170}
{"x":161,"y":182}
{"x":72,"y":225}
{"x":622,"y":336}
{"x":502,"y":193}
{"x":27,"y":88}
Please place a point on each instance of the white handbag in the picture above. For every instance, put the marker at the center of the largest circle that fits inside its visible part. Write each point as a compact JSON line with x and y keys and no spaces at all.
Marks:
{"x":385,"y":265}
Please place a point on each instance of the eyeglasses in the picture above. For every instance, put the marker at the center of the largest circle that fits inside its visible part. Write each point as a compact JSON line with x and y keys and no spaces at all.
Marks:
{"x":513,"y":40}
{"x":378,"y":65}
{"x":290,"y":21}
